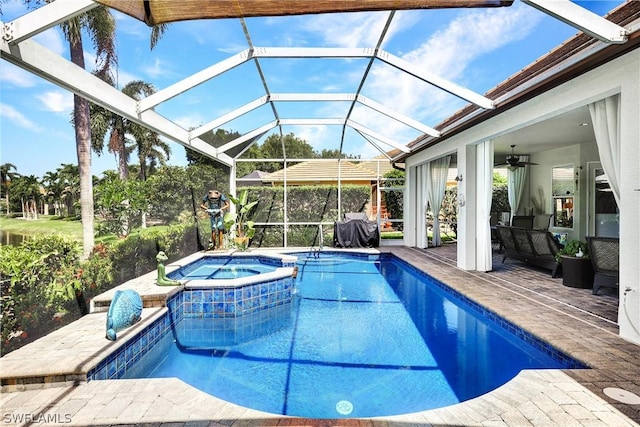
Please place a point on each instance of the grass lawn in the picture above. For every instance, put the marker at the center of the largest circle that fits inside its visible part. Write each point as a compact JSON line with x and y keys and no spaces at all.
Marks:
{"x":55,"y":225}
{"x":43,"y":225}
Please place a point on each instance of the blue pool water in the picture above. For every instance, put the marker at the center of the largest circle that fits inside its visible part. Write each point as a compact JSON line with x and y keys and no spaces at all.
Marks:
{"x":362,"y":337}
{"x":224,"y":267}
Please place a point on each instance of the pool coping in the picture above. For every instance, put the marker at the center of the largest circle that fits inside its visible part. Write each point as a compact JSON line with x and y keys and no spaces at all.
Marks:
{"x":154,"y":295}
{"x":532,"y":398}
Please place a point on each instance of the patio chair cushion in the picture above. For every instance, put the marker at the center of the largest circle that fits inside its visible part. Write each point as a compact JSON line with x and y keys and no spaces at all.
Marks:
{"x":536,"y":247}
{"x":605,"y":259}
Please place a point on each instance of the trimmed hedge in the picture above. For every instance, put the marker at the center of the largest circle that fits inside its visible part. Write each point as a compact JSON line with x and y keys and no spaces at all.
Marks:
{"x":44,"y":284}
{"x":317,"y":203}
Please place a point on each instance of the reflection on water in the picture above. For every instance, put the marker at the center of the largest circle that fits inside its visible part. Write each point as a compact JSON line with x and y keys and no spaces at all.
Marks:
{"x":10,"y":238}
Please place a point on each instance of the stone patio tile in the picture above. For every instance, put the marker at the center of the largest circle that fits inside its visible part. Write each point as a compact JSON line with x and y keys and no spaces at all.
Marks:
{"x":515,"y":418}
{"x":530,"y":299}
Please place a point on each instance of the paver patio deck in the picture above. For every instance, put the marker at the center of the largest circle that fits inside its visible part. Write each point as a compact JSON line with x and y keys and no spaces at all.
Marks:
{"x":575,"y":321}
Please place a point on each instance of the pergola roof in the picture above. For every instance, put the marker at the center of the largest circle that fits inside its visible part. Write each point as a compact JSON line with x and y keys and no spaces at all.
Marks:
{"x":154,"y":12}
{"x":19,"y":48}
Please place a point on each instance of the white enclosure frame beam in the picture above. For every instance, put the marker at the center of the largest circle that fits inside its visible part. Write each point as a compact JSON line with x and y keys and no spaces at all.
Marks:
{"x":447,"y":86}
{"x":303,"y":97}
{"x":379,"y":137}
{"x":398,"y":116}
{"x":254,"y":134}
{"x":43,"y":18}
{"x":50,"y":66}
{"x":193,"y":80}
{"x":375,"y":144}
{"x":312,"y":52}
{"x":315,"y":121}
{"x":582,"y":19}
{"x":230,"y":116}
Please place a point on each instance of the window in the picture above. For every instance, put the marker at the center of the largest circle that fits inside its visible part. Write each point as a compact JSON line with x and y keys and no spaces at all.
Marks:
{"x":563,"y":192}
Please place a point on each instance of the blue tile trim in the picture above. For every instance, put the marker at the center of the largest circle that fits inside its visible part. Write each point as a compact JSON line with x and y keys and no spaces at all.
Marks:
{"x":546,"y":348}
{"x":117,"y":363}
{"x":235,"y":302}
{"x":194,"y":303}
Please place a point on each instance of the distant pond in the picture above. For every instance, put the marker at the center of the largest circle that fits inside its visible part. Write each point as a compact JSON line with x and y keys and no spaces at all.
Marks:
{"x":10,"y":238}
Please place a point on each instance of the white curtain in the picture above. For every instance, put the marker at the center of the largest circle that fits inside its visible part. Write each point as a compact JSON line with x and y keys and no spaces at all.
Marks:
{"x":605,"y":115}
{"x":421,"y":206}
{"x":437,"y":185}
{"x":484,"y":191}
{"x":515,"y":185}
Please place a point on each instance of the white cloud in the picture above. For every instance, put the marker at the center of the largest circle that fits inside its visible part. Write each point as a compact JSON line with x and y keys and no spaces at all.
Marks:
{"x":319,"y":136}
{"x":57,"y":101}
{"x":15,"y":76}
{"x":123,"y":77}
{"x":350,"y":29}
{"x":448,"y":53}
{"x":157,"y":68}
{"x":451,"y":50}
{"x":10,"y":114}
{"x":190,"y":121}
{"x":131,"y":27}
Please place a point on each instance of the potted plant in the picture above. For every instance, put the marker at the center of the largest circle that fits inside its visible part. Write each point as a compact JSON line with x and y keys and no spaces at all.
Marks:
{"x":238,"y":222}
{"x":577,"y":271}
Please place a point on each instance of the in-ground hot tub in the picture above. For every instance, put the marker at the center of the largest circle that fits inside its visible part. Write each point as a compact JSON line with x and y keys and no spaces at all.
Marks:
{"x":205,"y":270}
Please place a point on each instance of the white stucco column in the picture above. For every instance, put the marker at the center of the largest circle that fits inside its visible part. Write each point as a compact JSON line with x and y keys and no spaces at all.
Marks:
{"x":629,"y":306}
{"x":232,"y":185}
{"x":467,"y":208}
{"x":410,"y":206}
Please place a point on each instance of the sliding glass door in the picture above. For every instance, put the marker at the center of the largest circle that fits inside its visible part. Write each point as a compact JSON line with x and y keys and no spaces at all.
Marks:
{"x":603,"y":211}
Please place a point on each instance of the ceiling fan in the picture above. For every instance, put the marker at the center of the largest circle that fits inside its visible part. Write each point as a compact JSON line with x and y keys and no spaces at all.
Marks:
{"x":513,"y":161}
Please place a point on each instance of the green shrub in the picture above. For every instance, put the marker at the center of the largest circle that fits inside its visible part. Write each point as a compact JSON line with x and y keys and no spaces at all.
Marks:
{"x":97,"y":273}
{"x":38,"y":280}
{"x":500,"y":199}
{"x":394,"y":200}
{"x":318,"y":203}
{"x":43,"y":281}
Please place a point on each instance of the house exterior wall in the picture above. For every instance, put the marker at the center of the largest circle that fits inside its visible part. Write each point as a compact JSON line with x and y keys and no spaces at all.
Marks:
{"x":619,"y":76}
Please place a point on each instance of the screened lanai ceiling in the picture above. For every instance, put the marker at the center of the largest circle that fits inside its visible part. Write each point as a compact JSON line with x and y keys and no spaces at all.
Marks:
{"x":361,"y":82}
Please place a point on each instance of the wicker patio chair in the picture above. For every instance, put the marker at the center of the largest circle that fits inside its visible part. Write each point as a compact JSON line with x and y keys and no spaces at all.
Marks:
{"x":604,"y":254}
{"x":522,"y":221}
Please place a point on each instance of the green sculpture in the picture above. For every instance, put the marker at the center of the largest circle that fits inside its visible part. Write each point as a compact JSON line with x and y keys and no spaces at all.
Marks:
{"x":162,"y":279}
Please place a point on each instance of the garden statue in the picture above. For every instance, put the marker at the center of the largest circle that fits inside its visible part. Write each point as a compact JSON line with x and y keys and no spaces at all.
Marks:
{"x":162,"y":279}
{"x":125,"y":310}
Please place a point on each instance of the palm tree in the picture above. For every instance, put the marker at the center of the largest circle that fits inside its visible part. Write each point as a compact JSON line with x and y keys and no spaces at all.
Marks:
{"x":53,"y":189}
{"x":7,"y":176}
{"x":151,"y":151}
{"x":103,"y":121}
{"x":27,"y":188}
{"x":69,"y":176}
{"x":101,"y":26}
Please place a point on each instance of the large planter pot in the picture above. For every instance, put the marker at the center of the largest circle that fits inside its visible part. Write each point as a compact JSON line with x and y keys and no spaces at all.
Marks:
{"x":241,"y":243}
{"x":577,"y":272}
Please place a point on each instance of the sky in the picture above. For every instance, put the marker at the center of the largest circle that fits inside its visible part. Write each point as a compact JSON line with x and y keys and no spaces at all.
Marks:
{"x":474,"y":48}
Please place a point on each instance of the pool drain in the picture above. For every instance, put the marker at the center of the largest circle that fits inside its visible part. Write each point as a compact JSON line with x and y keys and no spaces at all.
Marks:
{"x":344,"y":407}
{"x":623,"y":396}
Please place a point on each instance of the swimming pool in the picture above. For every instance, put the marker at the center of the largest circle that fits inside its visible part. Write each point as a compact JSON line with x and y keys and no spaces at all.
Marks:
{"x":363,"y":336}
